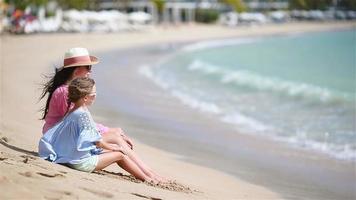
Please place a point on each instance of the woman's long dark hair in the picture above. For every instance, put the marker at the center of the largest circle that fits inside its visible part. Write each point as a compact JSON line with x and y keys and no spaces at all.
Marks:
{"x":59,"y":78}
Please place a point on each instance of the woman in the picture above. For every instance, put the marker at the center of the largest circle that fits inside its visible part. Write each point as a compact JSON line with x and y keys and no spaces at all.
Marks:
{"x":75,"y":141}
{"x":77,"y":63}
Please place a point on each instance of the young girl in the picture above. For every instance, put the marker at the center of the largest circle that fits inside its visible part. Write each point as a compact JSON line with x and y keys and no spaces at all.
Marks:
{"x":75,"y":141}
{"x":77,"y":63}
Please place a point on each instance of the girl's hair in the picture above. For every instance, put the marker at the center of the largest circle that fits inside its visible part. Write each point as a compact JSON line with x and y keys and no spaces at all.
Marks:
{"x":59,"y":78}
{"x":79,"y":88}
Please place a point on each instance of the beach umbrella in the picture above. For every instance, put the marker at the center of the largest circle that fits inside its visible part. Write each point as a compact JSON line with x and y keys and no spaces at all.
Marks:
{"x":140,"y":17}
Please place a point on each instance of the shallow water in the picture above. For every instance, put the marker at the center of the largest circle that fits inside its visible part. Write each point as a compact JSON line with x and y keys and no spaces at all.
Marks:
{"x":155,"y":117}
{"x":298,"y":88}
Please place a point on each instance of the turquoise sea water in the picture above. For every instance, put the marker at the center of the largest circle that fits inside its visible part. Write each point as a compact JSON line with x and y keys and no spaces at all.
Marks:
{"x":299,"y":89}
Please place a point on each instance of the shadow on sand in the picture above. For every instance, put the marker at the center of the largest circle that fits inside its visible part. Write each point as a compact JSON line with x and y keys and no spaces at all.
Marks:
{"x":4,"y":141}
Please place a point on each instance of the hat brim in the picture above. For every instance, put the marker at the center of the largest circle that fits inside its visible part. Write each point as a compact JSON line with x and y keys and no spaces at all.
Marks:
{"x":93,"y":60}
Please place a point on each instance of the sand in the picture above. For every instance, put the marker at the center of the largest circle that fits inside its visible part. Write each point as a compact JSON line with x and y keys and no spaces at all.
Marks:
{"x":25,"y":176}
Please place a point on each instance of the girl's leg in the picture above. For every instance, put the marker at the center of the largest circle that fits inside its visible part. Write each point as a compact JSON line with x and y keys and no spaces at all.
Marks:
{"x":115,"y":138}
{"x":108,"y":158}
{"x":123,"y":161}
{"x":131,"y":167}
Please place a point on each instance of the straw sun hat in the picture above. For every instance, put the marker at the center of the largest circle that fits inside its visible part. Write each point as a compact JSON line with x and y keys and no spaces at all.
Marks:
{"x":78,"y":56}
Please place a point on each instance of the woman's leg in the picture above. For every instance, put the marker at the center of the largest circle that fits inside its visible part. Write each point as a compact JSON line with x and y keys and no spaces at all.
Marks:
{"x":123,"y":161}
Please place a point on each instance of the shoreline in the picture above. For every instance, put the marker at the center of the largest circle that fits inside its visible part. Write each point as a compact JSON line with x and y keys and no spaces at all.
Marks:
{"x":186,"y":47}
{"x":164,"y":113}
{"x":19,"y":129}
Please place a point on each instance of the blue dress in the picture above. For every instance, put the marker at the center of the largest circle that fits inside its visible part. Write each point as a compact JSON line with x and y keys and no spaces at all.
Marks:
{"x":70,"y":140}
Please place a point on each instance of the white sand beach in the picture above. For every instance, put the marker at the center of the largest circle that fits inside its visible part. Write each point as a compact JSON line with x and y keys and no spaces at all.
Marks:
{"x":23,"y":175}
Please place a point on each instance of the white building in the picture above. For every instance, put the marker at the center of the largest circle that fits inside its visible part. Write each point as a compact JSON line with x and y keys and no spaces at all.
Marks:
{"x":180,"y":11}
{"x":259,"y":5}
{"x":175,"y":11}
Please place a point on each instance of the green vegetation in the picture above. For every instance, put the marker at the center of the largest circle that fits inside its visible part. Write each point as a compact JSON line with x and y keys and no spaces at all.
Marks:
{"x":237,"y":5}
{"x":22,"y":4}
{"x":74,"y":4}
{"x":310,"y":4}
{"x":66,"y":4}
{"x":322,"y":4}
{"x":159,"y":4}
{"x":206,"y":15}
{"x":347,"y":4}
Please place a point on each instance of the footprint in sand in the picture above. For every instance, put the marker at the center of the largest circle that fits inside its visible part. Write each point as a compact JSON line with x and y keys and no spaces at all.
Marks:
{"x":5,"y":139}
{"x":50,"y":175}
{"x":2,"y":158}
{"x":98,"y":193}
{"x":56,"y":195}
{"x":88,"y":179}
{"x":27,"y":158}
{"x":26,"y":174}
{"x":66,"y":193}
{"x":31,"y":174}
{"x":146,"y":197}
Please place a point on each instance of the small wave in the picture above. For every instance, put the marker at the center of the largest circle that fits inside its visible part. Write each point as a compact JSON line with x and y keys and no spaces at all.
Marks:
{"x":300,"y":140}
{"x":253,"y":80}
{"x":293,"y":89}
{"x":217,"y":43}
{"x":198,"y":65}
{"x":341,"y":152}
{"x":145,"y":70}
{"x":246,"y":122}
{"x":196,"y":104}
{"x":185,"y":98}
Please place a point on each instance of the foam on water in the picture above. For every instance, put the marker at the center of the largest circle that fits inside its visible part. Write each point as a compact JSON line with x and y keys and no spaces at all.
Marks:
{"x":246,"y":123}
{"x":195,"y":103}
{"x":250,"y":79}
{"x":217,"y":43}
{"x":185,"y":98}
{"x":301,"y":114}
{"x":146,"y":71}
{"x":344,"y":152}
{"x":250,"y":125}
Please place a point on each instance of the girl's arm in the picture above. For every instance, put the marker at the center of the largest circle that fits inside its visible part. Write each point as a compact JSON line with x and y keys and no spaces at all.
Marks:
{"x":112,"y":147}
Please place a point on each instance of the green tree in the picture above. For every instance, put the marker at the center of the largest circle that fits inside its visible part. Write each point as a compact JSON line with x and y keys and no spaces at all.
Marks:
{"x":347,"y":4}
{"x":74,"y":4}
{"x":310,"y":4}
{"x":298,"y":4}
{"x":22,"y":4}
{"x":206,"y":15}
{"x":319,"y":4}
{"x":39,"y":2}
{"x":159,"y":4}
{"x":237,"y":5}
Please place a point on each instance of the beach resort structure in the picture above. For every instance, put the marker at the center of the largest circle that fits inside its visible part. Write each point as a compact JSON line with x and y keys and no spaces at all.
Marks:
{"x":259,"y":5}
{"x":173,"y":11}
{"x":181,"y":11}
